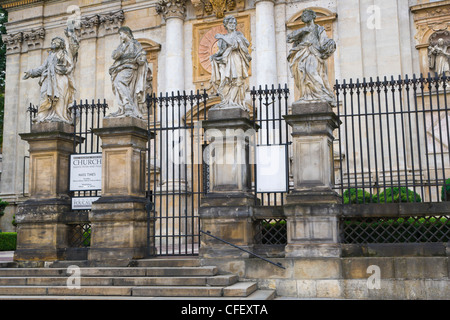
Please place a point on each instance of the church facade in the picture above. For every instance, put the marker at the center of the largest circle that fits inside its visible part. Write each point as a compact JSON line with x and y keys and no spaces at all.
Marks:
{"x":374,"y":38}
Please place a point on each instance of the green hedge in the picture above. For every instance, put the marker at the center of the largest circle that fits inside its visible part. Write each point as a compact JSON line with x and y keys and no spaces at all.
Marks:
{"x":8,"y":241}
{"x":392,"y":195}
{"x":3,"y":205}
{"x":360,"y":196}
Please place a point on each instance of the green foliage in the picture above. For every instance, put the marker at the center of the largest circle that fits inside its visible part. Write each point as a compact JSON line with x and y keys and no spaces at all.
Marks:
{"x":445,"y":191}
{"x":3,"y":205}
{"x":357,"y":196}
{"x":8,"y":241}
{"x":392,"y":195}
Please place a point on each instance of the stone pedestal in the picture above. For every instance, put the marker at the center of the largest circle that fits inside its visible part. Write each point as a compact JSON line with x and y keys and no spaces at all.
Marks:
{"x":312,"y":207}
{"x":227,"y":210}
{"x":119,"y":218}
{"x":42,"y":234}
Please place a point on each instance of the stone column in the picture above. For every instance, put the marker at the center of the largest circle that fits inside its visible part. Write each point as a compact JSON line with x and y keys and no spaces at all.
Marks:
{"x":172,"y":175}
{"x":119,"y":218}
{"x":41,"y":233}
{"x":265,"y":44}
{"x":173,"y":12}
{"x":227,"y":210}
{"x":312,"y":208}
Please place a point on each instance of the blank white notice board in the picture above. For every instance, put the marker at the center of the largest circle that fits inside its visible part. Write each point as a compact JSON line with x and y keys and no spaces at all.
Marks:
{"x":271,"y":168}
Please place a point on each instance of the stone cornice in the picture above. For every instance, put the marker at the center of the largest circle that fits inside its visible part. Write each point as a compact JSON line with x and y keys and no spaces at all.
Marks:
{"x":8,"y":4}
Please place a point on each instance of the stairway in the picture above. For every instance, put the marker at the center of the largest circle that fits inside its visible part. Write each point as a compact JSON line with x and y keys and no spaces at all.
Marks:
{"x":146,"y":279}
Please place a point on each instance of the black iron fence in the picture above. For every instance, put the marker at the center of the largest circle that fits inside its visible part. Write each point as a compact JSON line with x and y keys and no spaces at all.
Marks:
{"x":175,"y":170}
{"x":393,"y":156}
{"x":393,"y":141}
{"x":269,"y":105}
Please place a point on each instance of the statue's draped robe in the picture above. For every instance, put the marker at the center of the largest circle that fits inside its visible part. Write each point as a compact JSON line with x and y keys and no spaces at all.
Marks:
{"x":129,"y":78}
{"x":230,"y":70}
{"x":307,"y":61}
{"x":57,"y":87}
{"x":439,"y":60}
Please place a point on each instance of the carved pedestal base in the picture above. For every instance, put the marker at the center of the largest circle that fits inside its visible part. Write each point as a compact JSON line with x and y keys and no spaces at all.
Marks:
{"x":312,"y":208}
{"x":119,"y":218}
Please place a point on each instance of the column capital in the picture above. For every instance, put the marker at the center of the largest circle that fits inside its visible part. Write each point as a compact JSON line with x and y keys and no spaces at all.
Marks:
{"x":258,"y":1}
{"x":171,"y":8}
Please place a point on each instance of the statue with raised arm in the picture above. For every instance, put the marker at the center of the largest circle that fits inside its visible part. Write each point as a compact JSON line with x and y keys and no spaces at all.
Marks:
{"x":438,"y":58}
{"x":230,"y":66}
{"x":307,"y":60}
{"x":56,"y":80}
{"x":129,"y":75}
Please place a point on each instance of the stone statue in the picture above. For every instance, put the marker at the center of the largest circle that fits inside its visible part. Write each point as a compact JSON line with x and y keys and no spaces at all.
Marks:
{"x":130,"y":75}
{"x":229,"y":66}
{"x":307,"y":60}
{"x":56,"y":80}
{"x":438,"y":58}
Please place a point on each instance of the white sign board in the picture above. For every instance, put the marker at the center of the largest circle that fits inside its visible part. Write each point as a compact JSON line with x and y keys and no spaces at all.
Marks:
{"x":83,"y":203}
{"x":86,"y":172}
{"x":271,"y":168}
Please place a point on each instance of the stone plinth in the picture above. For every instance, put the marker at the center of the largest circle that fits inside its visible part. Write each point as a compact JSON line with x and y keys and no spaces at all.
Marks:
{"x":311,"y":208}
{"x":226,"y":211}
{"x":41,"y":233}
{"x":119,"y":218}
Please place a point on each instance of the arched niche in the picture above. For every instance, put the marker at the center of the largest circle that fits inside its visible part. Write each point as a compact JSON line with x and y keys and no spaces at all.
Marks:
{"x":431,"y":20}
{"x":325,"y":18}
{"x":152,"y":50}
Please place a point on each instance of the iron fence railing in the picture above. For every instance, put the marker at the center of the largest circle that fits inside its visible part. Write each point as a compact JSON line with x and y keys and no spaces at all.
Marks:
{"x":393,"y":142}
{"x":269,"y":105}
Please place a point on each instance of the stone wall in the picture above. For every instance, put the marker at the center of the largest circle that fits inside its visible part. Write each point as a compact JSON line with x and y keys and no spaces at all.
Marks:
{"x":348,"y":278}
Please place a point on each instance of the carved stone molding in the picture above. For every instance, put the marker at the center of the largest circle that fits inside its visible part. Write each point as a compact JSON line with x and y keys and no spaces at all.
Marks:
{"x":216,"y":7}
{"x":34,"y":38}
{"x":171,"y":8}
{"x":13,"y":42}
{"x":101,"y":24}
{"x":89,"y":27}
{"x":111,"y":22}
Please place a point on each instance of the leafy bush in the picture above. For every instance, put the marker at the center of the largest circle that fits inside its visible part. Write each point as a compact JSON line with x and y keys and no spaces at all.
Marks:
{"x":357,"y":196}
{"x":8,"y":241}
{"x":445,"y":191}
{"x":3,"y":205}
{"x":392,"y":195}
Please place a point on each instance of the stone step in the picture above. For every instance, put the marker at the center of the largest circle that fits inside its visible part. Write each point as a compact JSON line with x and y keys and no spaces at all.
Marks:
{"x":167,"y":262}
{"x":257,"y":295}
{"x":240,"y":289}
{"x":196,"y":291}
{"x":63,"y":290}
{"x":220,"y":280}
{"x":108,"y":272}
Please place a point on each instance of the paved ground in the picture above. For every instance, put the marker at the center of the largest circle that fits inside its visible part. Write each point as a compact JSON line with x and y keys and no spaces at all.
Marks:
{"x":6,"y":256}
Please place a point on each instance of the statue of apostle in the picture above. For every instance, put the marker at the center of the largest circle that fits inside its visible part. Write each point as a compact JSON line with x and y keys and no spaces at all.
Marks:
{"x":307,"y":60}
{"x":56,"y":81}
{"x":230,"y":66}
{"x":129,"y":75}
{"x":439,"y":58}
